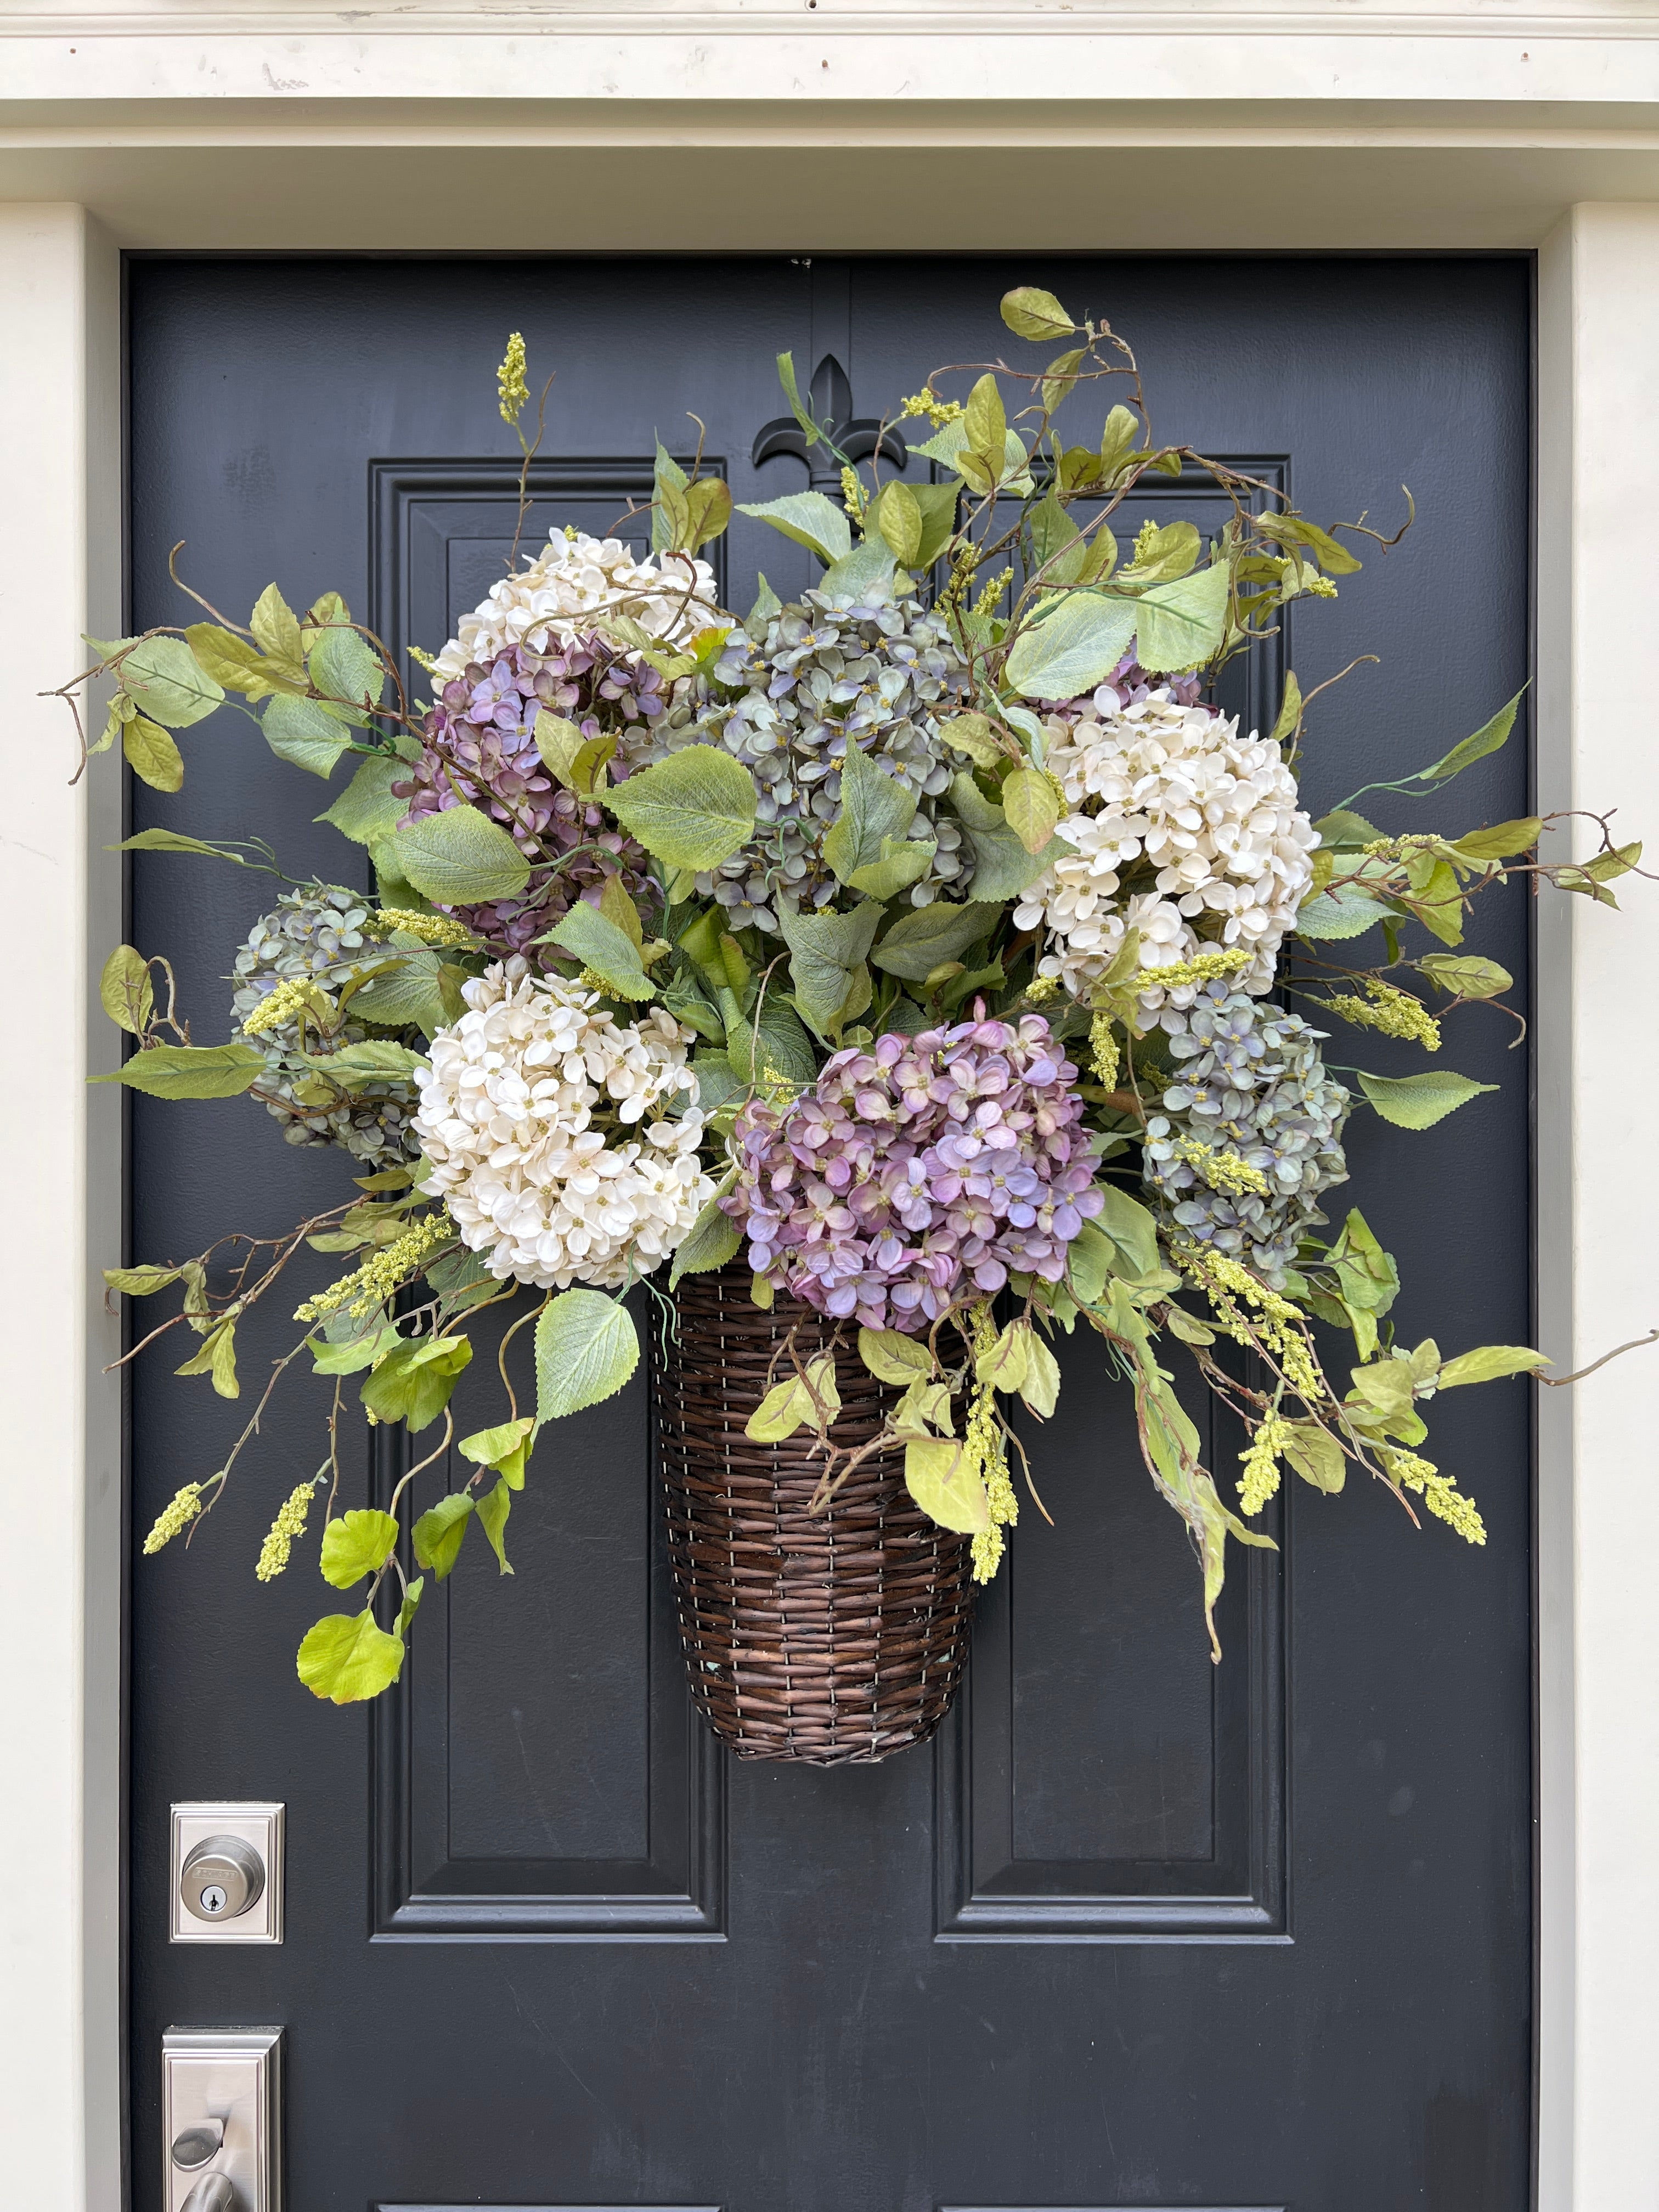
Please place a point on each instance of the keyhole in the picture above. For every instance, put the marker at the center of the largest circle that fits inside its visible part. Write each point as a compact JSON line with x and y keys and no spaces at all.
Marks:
{"x":213,"y":1898}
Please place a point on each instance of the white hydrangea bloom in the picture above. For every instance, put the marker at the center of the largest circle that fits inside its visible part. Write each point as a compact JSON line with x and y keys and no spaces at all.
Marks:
{"x":560,"y":593}
{"x":522,"y":1105}
{"x":1174,"y":793}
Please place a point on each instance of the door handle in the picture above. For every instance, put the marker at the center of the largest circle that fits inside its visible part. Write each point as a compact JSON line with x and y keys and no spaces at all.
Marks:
{"x":222,"y":2115}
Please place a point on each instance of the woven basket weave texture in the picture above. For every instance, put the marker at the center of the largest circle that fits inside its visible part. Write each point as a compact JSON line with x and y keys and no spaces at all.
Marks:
{"x":832,"y":1637}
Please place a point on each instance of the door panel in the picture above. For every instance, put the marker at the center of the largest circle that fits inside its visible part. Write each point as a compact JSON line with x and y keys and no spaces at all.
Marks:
{"x":1136,"y":1931}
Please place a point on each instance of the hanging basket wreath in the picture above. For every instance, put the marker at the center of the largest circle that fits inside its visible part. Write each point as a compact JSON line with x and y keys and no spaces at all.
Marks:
{"x":891,"y":982}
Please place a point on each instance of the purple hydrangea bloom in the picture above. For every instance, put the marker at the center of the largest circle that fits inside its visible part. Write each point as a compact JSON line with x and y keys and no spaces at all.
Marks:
{"x":918,"y":1173}
{"x":478,"y":749}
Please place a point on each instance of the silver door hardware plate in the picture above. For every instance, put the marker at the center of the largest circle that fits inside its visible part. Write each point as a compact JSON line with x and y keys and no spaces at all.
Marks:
{"x":226,"y":1874}
{"x":221,"y":2119}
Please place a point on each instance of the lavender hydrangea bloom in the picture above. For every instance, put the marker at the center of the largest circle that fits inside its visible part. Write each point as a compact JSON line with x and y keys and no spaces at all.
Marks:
{"x":478,"y":749}
{"x":1250,"y":1082}
{"x":917,"y":1173}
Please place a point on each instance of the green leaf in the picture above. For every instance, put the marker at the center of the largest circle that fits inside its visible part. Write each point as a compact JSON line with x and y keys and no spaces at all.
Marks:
{"x":923,"y":937}
{"x":901,"y":862}
{"x":1090,"y":1257}
{"x":299,"y":732}
{"x":1369,"y":1279}
{"x":345,"y":668}
{"x":409,"y":1608}
{"x":1171,"y":552}
{"x":1031,"y":312}
{"x":348,"y":1658}
{"x":151,"y":754}
{"x":375,"y":1336}
{"x":587,"y":1348}
{"x":1059,"y":378}
{"x":1290,"y":711}
{"x":874,"y":807}
{"x":1005,"y":1364}
{"x":1330,"y":915}
{"x":892,"y":1356}
{"x":493,"y":1509}
{"x":787,"y":1406}
{"x":230,"y":660}
{"x":140,"y":1282}
{"x":896,"y":514}
{"x":864,"y":574}
{"x":439,"y":1531}
{"x":924,"y":1410}
{"x":1488,"y":1363}
{"x":1119,"y":441}
{"x":559,"y":741}
{"x":1486,"y":739}
{"x":506,"y":1447}
{"x":1501,"y":840}
{"x":938,"y":502}
{"x":713,"y":1239}
{"x":1074,"y":647}
{"x":949,"y":446}
{"x":276,"y":629}
{"x":1052,"y":528}
{"x":459,"y":857}
{"x":779,"y":1042}
{"x":1417,"y":1102}
{"x":125,"y":991}
{"x":1466,"y":974}
{"x":940,"y":1476}
{"x":162,"y":675}
{"x":173,"y":840}
{"x":1345,"y":831}
{"x":1039,"y":1387}
{"x":1386,"y":1387}
{"x":375,"y":1060}
{"x":985,"y":435}
{"x":809,"y":517}
{"x":413,"y":1382}
{"x":792,"y":394}
{"x":410,"y":993}
{"x":1316,"y":1456}
{"x":587,"y":936}
{"x":1130,"y":1229}
{"x":366,"y":811}
{"x":824,"y":951}
{"x":1181,"y":626}
{"x":355,"y":1545}
{"x":668,"y":478}
{"x":216,"y":1357}
{"x":1002,"y":867}
{"x":1030,"y":805}
{"x":693,"y":810}
{"x":185,"y":1071}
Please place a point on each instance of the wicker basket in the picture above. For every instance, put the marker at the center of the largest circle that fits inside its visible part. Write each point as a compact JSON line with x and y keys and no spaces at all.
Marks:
{"x":828,"y":1638}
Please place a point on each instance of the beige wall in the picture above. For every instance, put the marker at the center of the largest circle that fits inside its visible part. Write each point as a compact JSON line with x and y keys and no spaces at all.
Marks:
{"x":719,"y":128}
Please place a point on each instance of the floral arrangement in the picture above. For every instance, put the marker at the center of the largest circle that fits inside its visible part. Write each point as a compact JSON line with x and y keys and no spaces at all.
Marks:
{"x":934,"y":943}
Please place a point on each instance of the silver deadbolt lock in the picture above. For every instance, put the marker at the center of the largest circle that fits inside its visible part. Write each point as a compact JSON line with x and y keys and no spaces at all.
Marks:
{"x":227,"y":1873}
{"x":222,"y":1878}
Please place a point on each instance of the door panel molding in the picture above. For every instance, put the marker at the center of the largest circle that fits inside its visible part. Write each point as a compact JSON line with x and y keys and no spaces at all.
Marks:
{"x":436,"y":526}
{"x":1228,"y":1885}
{"x":425,"y":1888}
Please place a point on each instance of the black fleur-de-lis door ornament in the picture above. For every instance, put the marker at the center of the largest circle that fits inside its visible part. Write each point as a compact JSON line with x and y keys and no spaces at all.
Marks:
{"x":830,"y":402}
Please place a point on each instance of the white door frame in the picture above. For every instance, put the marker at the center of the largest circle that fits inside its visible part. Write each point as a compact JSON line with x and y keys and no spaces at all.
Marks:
{"x":726,"y":130}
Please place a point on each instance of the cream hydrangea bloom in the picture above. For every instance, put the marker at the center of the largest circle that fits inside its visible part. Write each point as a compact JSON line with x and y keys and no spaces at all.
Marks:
{"x":522,"y":1107}
{"x":575,"y":581}
{"x":1172,"y":793}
